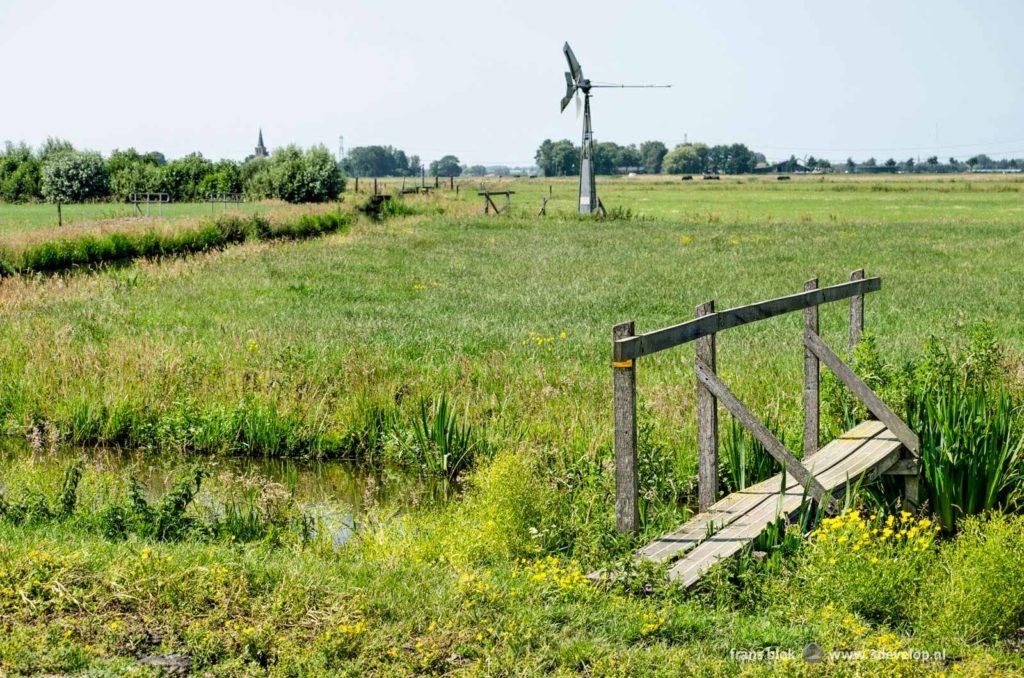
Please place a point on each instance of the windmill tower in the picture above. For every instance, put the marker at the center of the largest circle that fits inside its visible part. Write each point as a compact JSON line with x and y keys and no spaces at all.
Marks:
{"x":574,"y":84}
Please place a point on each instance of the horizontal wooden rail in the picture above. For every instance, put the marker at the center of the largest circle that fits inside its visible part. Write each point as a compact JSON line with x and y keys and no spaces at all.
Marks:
{"x":863,"y":392}
{"x":630,"y":348}
{"x":764,"y":436}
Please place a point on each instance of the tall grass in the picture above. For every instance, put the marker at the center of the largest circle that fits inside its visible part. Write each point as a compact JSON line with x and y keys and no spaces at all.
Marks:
{"x":445,"y":446}
{"x":971,"y":440}
{"x":92,"y":250}
{"x":744,"y":461}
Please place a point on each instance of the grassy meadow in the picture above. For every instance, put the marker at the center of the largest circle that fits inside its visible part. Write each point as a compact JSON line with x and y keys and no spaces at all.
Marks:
{"x":449,"y":344}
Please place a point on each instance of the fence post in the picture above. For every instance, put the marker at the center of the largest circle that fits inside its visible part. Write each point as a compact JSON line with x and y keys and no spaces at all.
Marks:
{"x":627,"y":512}
{"x":856,"y":313}
{"x":811,"y":378}
{"x":707,"y":421}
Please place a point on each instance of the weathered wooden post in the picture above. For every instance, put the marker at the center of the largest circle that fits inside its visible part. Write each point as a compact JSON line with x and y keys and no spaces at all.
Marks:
{"x":707,"y":421}
{"x":811,"y":378}
{"x":627,"y":511}
{"x":856,"y":313}
{"x":375,"y":185}
{"x":60,"y":217}
{"x":451,"y":183}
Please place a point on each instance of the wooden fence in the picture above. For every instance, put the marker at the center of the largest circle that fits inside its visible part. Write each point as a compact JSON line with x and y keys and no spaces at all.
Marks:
{"x":628,"y":347}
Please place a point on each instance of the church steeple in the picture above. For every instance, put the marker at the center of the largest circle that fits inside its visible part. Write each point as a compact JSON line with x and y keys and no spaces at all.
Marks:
{"x":261,"y":150}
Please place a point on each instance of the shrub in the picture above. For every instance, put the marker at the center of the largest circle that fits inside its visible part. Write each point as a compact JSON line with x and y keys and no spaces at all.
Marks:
{"x":871,"y":565}
{"x":73,"y":176}
{"x":975,"y":592}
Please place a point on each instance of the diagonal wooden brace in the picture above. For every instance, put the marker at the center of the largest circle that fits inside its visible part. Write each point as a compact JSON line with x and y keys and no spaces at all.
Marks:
{"x":864,"y":393}
{"x":774,"y":446}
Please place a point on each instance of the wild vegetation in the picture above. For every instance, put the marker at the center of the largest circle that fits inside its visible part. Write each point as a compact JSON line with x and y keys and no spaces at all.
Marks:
{"x":440,"y":343}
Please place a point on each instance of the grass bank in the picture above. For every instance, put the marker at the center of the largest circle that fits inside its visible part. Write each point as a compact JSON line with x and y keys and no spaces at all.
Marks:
{"x":88,"y":250}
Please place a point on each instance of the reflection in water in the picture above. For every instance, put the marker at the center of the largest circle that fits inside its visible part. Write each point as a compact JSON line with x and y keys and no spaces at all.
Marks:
{"x":337,"y":493}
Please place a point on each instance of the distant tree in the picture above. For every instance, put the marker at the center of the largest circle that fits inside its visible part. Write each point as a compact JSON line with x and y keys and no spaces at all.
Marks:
{"x":181,"y":177}
{"x":953,"y":161}
{"x":851,"y":165}
{"x":606,"y":157}
{"x":226,"y":177}
{"x":476,"y":171}
{"x":871,"y":162}
{"x":297,"y":177}
{"x":890,"y":163}
{"x":446,"y":166}
{"x":1013,"y":163}
{"x":972,"y":162}
{"x":415,"y":166}
{"x":558,"y":158}
{"x":54,"y":146}
{"x":129,"y":172}
{"x":71,"y":176}
{"x":652,"y":155}
{"x":19,"y":174}
{"x":909,"y":164}
{"x":379,"y":161}
{"x":685,"y":159}
{"x":933,"y":160}
{"x":499,"y":170}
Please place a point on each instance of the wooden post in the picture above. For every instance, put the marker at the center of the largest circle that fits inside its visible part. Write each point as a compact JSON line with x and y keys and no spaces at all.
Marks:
{"x":707,"y":421}
{"x":811,"y":380}
{"x":60,"y":217}
{"x":856,"y":313}
{"x":627,"y":512}
{"x":357,"y":183}
{"x":436,"y":180}
{"x":375,"y":185}
{"x":451,"y":183}
{"x":487,"y":204}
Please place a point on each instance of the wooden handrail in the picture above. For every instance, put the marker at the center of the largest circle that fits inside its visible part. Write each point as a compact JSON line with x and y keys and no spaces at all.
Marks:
{"x":629,"y":348}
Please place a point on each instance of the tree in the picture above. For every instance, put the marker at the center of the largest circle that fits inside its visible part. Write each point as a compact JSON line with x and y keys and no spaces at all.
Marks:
{"x":558,"y":158}
{"x":972,"y":162}
{"x":871,"y":162}
{"x":297,"y":177}
{"x":652,"y":155}
{"x":909,"y":164}
{"x":19,"y":174}
{"x":476,"y":171}
{"x":181,"y":177}
{"x":890,"y":164}
{"x":933,"y":160}
{"x":447,"y":166}
{"x":415,"y":166}
{"x":851,"y":165}
{"x":129,"y":172}
{"x":606,"y":157}
{"x":71,"y":176}
{"x":685,"y":159}
{"x":380,"y":161}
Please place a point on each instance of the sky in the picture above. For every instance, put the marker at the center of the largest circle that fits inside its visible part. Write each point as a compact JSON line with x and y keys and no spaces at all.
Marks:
{"x":482,"y":80}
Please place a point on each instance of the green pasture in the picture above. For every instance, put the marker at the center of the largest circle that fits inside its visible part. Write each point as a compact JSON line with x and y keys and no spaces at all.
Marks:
{"x":338,"y":346}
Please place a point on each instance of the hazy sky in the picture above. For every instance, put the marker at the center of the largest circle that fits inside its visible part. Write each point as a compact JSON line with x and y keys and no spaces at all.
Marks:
{"x":483,"y":79}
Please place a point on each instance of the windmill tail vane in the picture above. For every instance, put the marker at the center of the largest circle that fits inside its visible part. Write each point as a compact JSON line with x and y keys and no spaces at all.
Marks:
{"x":574,"y":84}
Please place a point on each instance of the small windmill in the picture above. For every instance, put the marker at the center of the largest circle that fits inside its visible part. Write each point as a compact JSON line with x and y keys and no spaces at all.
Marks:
{"x":574,"y":84}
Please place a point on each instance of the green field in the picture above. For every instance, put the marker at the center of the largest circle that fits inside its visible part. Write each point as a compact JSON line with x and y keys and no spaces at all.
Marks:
{"x":303,"y":349}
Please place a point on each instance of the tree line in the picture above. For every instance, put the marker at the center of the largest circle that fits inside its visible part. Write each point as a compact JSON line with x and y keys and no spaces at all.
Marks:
{"x":562,"y":158}
{"x":388,"y":161}
{"x":57,"y":172}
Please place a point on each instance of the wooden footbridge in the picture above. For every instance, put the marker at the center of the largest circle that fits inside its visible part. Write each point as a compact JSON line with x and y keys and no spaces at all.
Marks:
{"x":723,"y":526}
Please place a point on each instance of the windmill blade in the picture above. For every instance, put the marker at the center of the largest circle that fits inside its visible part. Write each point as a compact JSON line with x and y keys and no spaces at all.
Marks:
{"x":574,"y":66}
{"x":570,"y":87}
{"x":577,"y":105}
